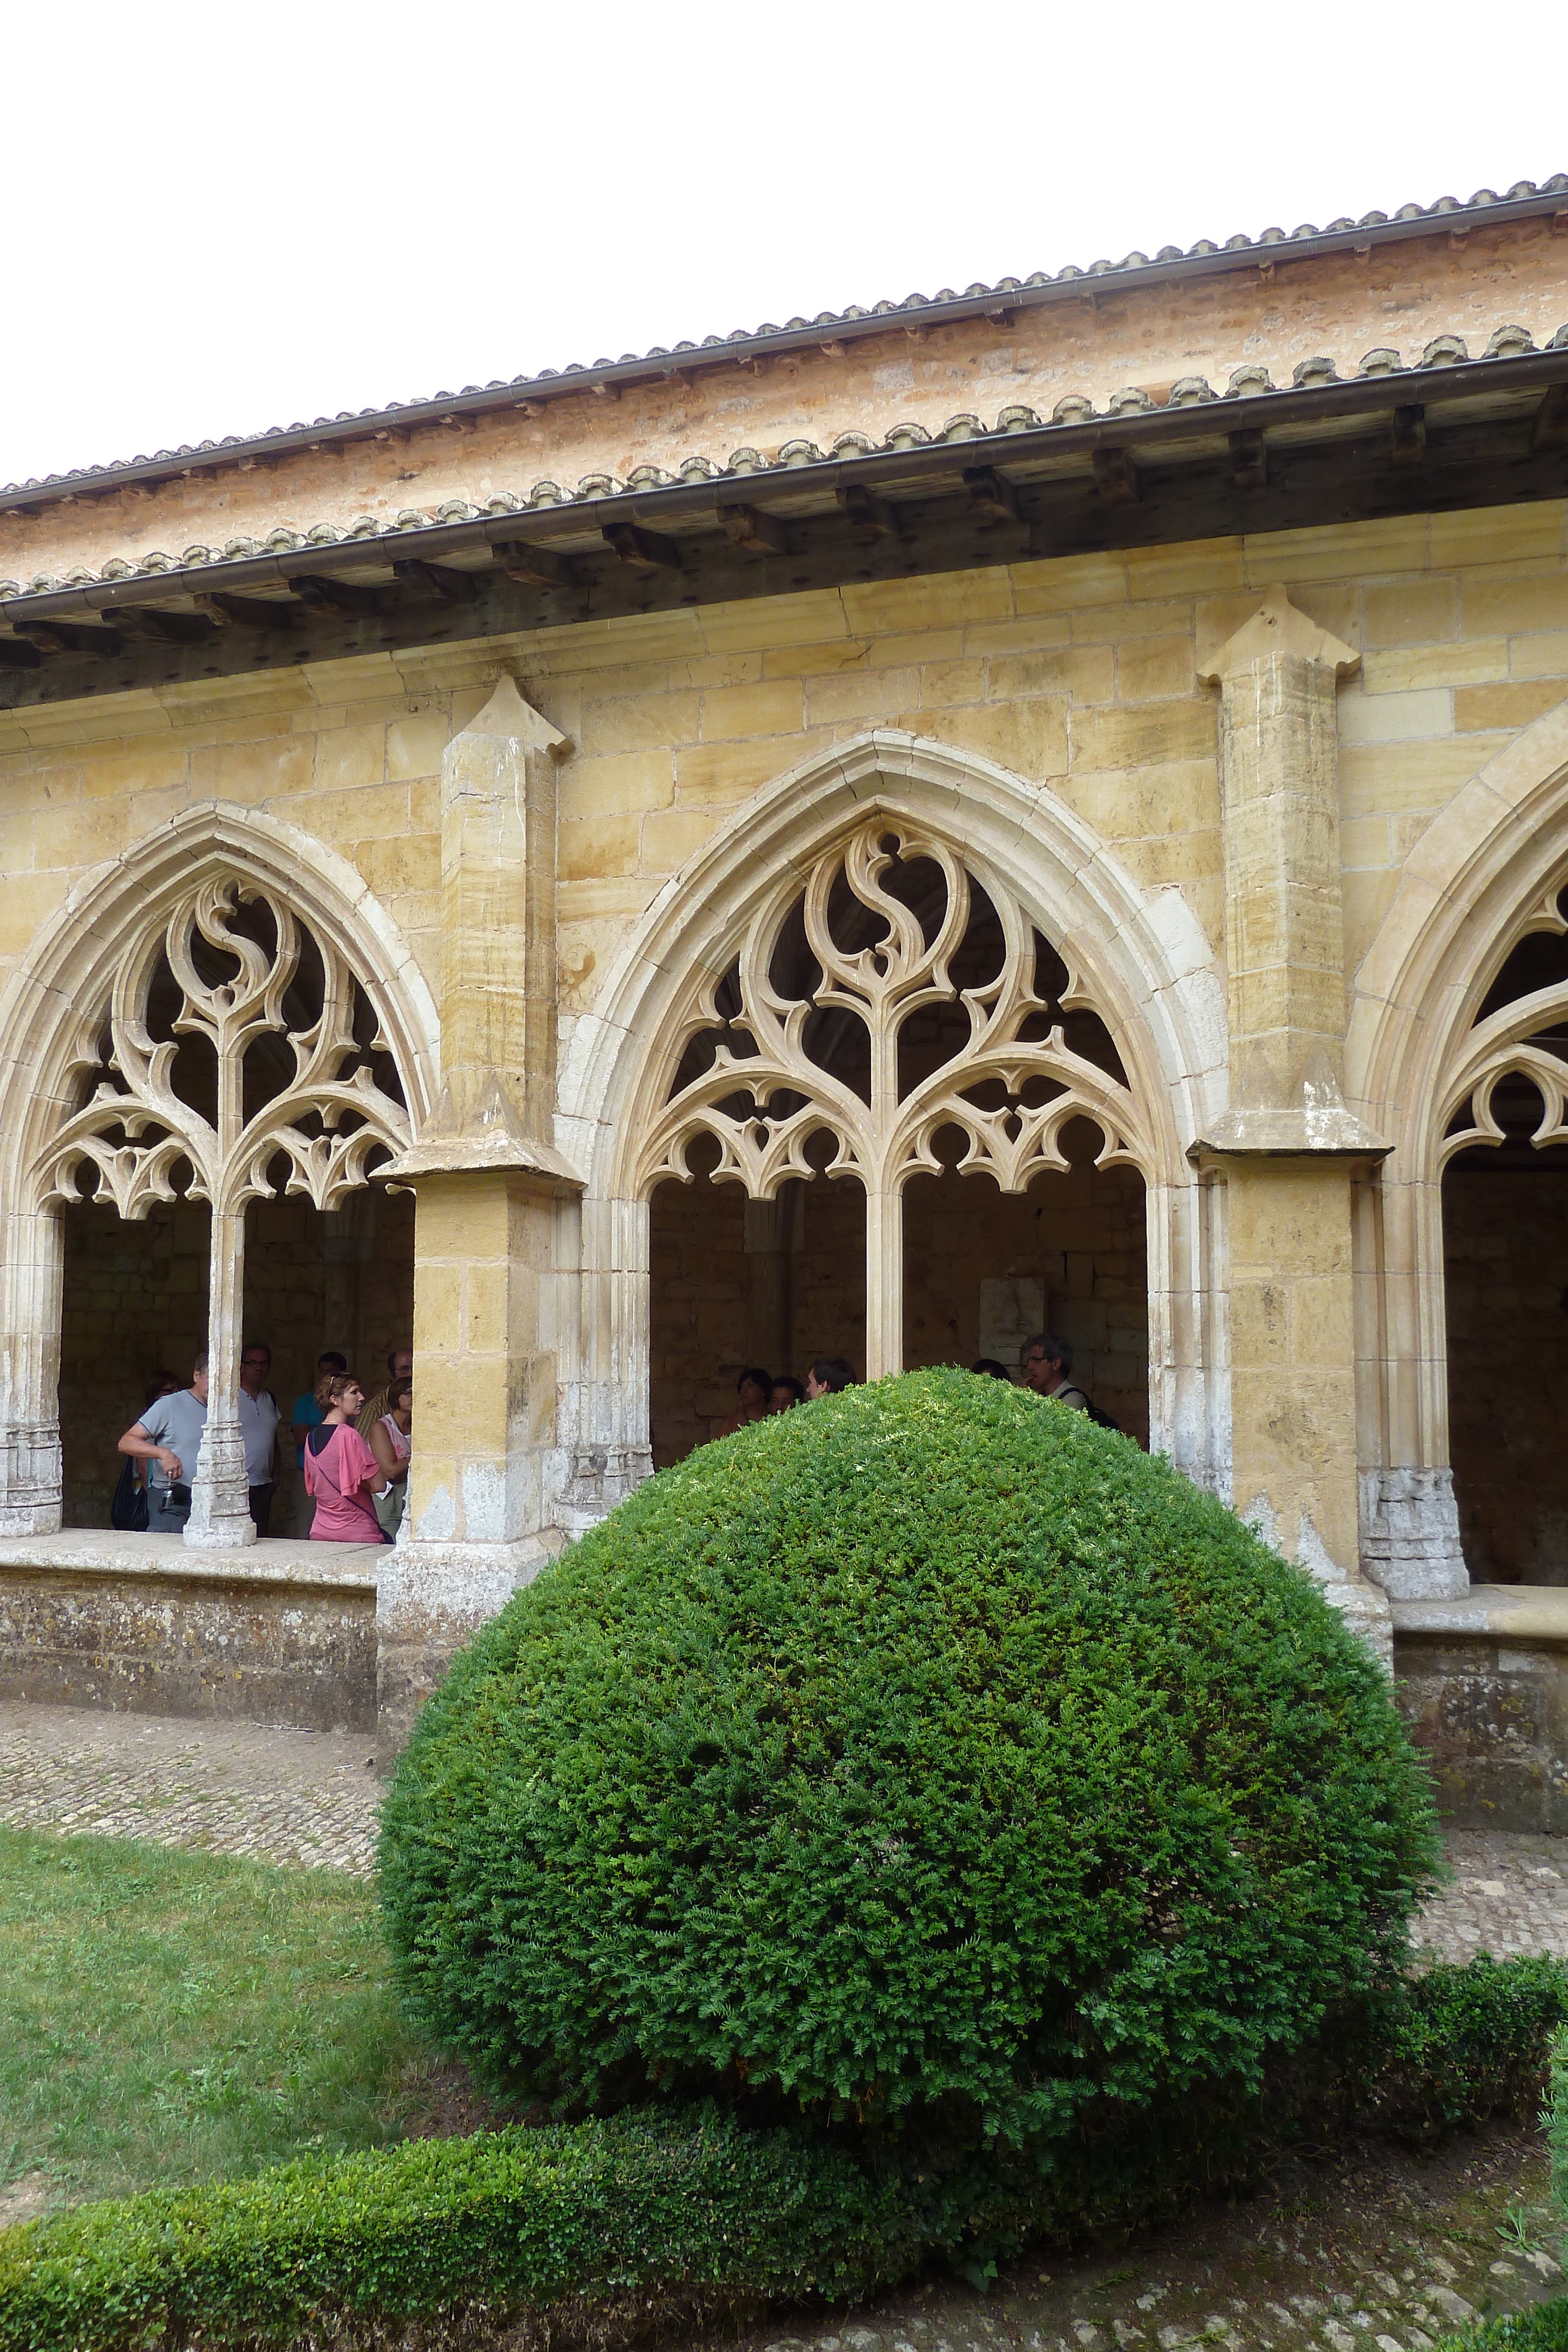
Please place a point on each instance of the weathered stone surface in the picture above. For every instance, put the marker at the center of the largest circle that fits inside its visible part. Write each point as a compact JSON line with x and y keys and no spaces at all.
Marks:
{"x":1480,"y":1681}
{"x":283,"y":1632}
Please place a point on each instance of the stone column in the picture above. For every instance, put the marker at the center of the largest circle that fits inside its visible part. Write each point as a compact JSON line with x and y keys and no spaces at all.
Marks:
{"x":31,"y":1284}
{"x":489,"y":1188}
{"x":220,"y":1516}
{"x":1287,"y":1145}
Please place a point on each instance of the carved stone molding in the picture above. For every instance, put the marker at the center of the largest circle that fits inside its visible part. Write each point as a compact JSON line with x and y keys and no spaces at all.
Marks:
{"x":829,"y":979}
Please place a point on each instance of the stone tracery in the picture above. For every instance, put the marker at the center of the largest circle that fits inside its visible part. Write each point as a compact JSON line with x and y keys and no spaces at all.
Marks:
{"x":1518,"y":1045}
{"x":896,"y":995}
{"x":231,"y":975}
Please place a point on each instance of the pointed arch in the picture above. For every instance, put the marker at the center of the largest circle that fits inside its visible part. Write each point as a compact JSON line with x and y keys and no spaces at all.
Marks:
{"x":50,"y":1015}
{"x":71,"y":966}
{"x":1141,"y":956}
{"x":1152,"y":971}
{"x":1471,"y":887}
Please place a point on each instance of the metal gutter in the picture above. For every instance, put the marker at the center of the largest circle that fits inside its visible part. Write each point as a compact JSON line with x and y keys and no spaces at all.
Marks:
{"x":1550,"y":201}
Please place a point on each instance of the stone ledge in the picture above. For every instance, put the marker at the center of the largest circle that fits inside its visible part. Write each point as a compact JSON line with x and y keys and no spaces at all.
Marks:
{"x":1509,"y":1612}
{"x":275,"y":1560}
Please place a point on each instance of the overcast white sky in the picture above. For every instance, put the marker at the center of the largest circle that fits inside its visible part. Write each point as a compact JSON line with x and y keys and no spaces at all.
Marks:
{"x":224,"y":217}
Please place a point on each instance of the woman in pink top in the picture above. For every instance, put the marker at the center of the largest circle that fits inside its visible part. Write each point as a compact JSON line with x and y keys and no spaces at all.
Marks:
{"x":339,"y":1467}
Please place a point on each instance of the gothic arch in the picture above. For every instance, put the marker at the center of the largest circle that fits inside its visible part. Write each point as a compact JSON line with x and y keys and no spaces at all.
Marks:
{"x":1151,"y":968}
{"x":1142,"y":958}
{"x":1470,"y":890}
{"x":51,"y":1016}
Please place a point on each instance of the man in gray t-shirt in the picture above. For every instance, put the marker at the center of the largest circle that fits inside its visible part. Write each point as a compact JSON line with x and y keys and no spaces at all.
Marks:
{"x":168,"y":1438}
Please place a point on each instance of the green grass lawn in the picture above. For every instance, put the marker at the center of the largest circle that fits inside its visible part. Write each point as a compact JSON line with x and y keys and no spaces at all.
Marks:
{"x":169,"y":2017}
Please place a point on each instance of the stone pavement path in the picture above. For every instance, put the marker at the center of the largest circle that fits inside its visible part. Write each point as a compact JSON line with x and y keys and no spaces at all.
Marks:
{"x":313,"y":1797}
{"x":302,"y":1797}
{"x":1391,"y":2252}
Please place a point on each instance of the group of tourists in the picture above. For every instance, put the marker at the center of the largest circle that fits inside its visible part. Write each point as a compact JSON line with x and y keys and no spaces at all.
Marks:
{"x":353,"y":1452}
{"x":1047,"y":1370}
{"x":760,"y":1394}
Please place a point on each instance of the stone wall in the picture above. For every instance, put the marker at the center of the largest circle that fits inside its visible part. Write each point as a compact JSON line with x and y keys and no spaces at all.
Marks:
{"x":1080,"y":672}
{"x":1079,"y":1236}
{"x":136,"y":1300}
{"x":1505,"y":1230}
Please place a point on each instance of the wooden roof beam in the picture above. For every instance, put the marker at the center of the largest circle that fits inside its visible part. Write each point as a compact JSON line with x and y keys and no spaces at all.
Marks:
{"x":749,"y":527}
{"x":248,"y":611}
{"x":644,"y":551}
{"x":67,"y":638}
{"x":323,"y":596}
{"x":991,"y":496}
{"x":442,"y":581}
{"x":1407,"y":435}
{"x":870,"y":516}
{"x":148,"y":623}
{"x":1249,"y":460}
{"x":1550,"y":429}
{"x":535,"y":567}
{"x":1116,"y":478}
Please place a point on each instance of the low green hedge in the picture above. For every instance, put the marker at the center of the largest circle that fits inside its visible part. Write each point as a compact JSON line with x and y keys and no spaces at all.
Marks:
{"x":1544,"y":2329}
{"x":597,"y":2230}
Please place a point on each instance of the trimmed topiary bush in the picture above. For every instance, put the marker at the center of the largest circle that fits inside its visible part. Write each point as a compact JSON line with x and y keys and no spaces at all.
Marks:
{"x":925,"y":1752}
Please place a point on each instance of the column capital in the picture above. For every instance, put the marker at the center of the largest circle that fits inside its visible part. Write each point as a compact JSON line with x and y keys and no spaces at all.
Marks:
{"x":1275,"y":629}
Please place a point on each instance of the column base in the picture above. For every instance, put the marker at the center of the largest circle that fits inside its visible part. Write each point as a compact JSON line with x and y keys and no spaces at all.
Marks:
{"x":214,"y":1523}
{"x":1366,"y":1611}
{"x":1410,"y":1535}
{"x":430,"y":1599}
{"x":31,"y":1483}
{"x":600,"y":1477}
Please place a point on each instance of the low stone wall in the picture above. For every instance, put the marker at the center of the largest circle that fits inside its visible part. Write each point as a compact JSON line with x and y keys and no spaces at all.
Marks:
{"x":283,"y":1632}
{"x":1482,"y":1681}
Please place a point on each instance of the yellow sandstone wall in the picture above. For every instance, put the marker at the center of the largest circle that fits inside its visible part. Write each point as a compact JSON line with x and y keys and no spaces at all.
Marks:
{"x":1081,"y":672}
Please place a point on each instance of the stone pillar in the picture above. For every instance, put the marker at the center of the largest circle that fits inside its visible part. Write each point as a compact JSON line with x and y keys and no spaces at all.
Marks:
{"x":489,"y":1188}
{"x":1287,"y":1145}
{"x":31,"y":1284}
{"x":220,"y":1516}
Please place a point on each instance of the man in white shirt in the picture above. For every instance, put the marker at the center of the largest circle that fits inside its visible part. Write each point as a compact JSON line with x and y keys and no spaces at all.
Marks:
{"x":258,"y":1420}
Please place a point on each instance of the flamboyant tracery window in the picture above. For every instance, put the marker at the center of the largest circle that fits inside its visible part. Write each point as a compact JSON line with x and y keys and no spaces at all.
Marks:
{"x":895,"y":1004}
{"x":1508,"y":1083}
{"x":1504,"y":1128}
{"x":237,"y":1055}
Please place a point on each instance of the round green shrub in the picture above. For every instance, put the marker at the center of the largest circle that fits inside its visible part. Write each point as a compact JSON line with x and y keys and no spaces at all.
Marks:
{"x":927,"y":1748}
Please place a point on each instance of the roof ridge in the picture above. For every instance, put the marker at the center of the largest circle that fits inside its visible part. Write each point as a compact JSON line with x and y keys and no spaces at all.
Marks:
{"x":1250,"y":380}
{"x":1527,"y":195}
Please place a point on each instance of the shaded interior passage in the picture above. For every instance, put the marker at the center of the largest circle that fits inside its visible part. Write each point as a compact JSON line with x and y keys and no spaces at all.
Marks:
{"x":983,"y":1270}
{"x":136,"y":1302}
{"x":1505,"y":1238}
{"x":739,"y":1282}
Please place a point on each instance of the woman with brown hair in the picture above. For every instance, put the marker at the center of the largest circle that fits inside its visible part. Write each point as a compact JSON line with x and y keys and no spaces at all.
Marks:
{"x":339,"y":1468}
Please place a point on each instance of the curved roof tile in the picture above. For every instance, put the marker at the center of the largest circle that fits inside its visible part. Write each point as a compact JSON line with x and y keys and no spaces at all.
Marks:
{"x":1524,"y":193}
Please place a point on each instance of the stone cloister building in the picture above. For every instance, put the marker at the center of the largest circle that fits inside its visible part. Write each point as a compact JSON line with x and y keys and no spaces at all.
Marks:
{"x":1046,"y":804}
